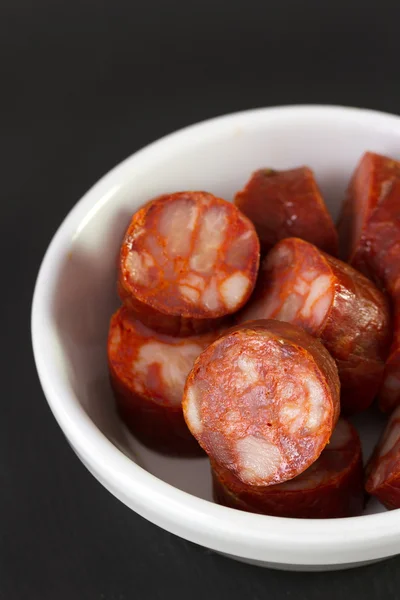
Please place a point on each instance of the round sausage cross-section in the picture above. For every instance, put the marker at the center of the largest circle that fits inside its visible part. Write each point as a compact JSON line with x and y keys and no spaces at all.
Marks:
{"x":383,"y":469}
{"x":148,"y":372}
{"x":186,"y":259}
{"x":300,"y":284}
{"x":262,"y":401}
{"x":285,"y":204}
{"x":332,"y":487}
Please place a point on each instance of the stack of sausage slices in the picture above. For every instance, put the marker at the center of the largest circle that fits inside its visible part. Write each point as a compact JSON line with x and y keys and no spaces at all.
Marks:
{"x":253,"y":362}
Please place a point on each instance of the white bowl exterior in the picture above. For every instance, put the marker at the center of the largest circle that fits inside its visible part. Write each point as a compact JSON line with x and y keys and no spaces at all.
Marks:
{"x":75,"y":295}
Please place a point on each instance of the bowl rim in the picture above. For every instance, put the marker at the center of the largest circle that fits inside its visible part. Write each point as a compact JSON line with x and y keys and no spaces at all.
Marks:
{"x":250,"y":536}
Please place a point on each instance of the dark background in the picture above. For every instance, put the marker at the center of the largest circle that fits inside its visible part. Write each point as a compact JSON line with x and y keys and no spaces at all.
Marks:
{"x":82,"y":85}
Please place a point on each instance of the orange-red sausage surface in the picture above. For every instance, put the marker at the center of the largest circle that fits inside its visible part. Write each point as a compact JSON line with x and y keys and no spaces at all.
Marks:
{"x":187,"y":259}
{"x":369,"y":184}
{"x":287,"y":204}
{"x":369,"y":230}
{"x":262,"y":401}
{"x":331,"y":487}
{"x":300,"y":284}
{"x":383,"y":470}
{"x":148,"y":372}
{"x":389,"y":394}
{"x":381,"y":260}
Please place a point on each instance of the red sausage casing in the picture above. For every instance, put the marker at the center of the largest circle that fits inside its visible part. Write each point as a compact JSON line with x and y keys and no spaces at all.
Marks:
{"x":331,"y":487}
{"x":383,"y":469}
{"x":263,"y":401}
{"x":369,"y":231}
{"x":389,"y":394}
{"x":187,"y":259}
{"x":300,"y":284}
{"x":382,"y":263}
{"x":369,"y":184}
{"x":148,"y":372}
{"x":285,"y":204}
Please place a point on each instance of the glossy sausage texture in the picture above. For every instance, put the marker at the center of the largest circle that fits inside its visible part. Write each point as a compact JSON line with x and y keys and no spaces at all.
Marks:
{"x":383,"y":469}
{"x":332,"y":487}
{"x":382,"y":238}
{"x":300,"y":284}
{"x":187,"y":260}
{"x":148,"y":372}
{"x":285,"y":204}
{"x":389,"y":394}
{"x":369,"y":184}
{"x":263,"y":401}
{"x":370,"y":239}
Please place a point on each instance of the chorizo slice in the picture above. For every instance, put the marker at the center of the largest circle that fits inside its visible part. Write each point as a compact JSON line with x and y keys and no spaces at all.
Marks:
{"x":369,"y":184}
{"x":383,"y":469}
{"x":285,"y":204}
{"x":148,"y":372}
{"x":300,"y":284}
{"x":332,"y":487}
{"x":382,"y":262}
{"x":389,"y":394}
{"x":381,"y":258}
{"x":262,"y":401}
{"x":187,"y":259}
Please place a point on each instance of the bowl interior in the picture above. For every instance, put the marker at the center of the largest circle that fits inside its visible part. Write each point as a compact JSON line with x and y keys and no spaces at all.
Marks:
{"x":218,"y":157}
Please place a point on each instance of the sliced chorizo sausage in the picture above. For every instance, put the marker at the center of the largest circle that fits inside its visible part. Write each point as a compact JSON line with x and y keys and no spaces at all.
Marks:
{"x":331,"y":487}
{"x":148,"y":372}
{"x":383,"y":469}
{"x":389,"y":394}
{"x":300,"y":284}
{"x":187,"y":259}
{"x":381,"y":238}
{"x":262,"y":401}
{"x":382,"y":262}
{"x":285,"y":204}
{"x":369,"y":184}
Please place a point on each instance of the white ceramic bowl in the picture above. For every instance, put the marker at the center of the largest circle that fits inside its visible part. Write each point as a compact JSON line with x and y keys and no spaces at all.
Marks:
{"x":75,"y":296}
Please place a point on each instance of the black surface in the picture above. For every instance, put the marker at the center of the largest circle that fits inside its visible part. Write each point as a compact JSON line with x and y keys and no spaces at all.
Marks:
{"x":83,"y":84}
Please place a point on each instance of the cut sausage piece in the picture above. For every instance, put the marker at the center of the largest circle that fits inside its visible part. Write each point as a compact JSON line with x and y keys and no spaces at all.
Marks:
{"x":381,"y":257}
{"x":331,"y":487}
{"x":369,"y":184}
{"x":389,"y":394}
{"x":187,"y":259}
{"x":383,"y":469}
{"x":148,"y":372}
{"x":382,"y":263}
{"x":262,"y":401}
{"x":285,"y":204}
{"x":300,"y":284}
